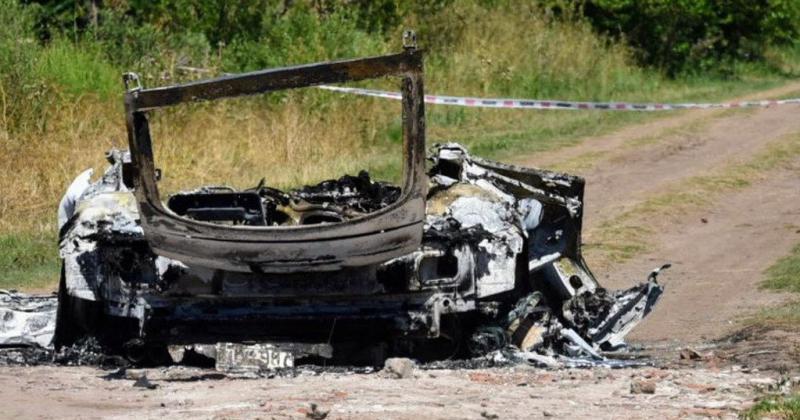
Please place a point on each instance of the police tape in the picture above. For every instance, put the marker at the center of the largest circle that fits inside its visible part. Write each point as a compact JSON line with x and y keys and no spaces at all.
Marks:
{"x":552,"y":104}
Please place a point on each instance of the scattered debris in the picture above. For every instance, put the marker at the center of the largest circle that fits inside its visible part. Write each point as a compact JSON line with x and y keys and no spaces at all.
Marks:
{"x":398,"y":368}
{"x":25,"y":356}
{"x":316,"y":413}
{"x":689,"y":353}
{"x":26,"y":320}
{"x":143,"y":382}
{"x":88,"y":351}
{"x":641,"y":386}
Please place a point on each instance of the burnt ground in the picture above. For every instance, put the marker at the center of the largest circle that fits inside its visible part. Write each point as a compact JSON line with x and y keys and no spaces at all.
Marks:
{"x":719,"y":253}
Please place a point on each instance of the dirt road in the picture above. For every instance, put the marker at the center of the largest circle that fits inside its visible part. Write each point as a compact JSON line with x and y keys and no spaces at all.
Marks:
{"x":500,"y":393}
{"x":719,"y":251}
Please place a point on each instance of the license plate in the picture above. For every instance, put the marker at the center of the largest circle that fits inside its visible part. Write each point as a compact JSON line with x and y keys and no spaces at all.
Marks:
{"x":236,"y":357}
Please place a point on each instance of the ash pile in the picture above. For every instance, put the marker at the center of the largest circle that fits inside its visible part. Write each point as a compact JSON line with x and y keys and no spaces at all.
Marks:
{"x":498,"y":279}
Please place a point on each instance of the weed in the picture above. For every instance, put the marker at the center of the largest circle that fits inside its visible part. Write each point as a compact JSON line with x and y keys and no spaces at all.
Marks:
{"x":775,"y":407}
{"x":28,"y":261}
{"x":784,"y":275}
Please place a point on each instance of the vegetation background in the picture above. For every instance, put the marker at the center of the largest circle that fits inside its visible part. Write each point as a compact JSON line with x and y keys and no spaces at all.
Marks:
{"x":61,"y":64}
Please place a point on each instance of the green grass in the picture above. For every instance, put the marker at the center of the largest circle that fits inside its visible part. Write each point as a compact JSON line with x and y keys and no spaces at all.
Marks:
{"x":775,"y":407}
{"x":67,"y":65}
{"x":784,"y":275}
{"x":28,"y":261}
{"x":784,"y":317}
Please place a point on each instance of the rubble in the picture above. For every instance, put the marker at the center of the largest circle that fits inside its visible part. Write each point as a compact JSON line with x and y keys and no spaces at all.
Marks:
{"x":26,"y":320}
{"x":88,"y":351}
{"x":398,"y":368}
{"x":640,"y":386}
{"x":689,"y":353}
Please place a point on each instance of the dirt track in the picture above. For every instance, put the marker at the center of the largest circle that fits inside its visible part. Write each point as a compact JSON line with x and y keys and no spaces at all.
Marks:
{"x":474,"y":394}
{"x":717,"y":267}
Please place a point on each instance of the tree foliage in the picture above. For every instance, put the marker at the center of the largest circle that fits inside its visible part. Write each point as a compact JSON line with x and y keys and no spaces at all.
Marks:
{"x":673,"y":35}
{"x":681,"y":35}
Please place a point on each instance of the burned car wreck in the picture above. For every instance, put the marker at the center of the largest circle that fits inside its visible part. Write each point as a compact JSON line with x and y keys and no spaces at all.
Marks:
{"x":466,"y":258}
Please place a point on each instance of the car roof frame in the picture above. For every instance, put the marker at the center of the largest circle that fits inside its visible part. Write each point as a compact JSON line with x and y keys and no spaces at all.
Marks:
{"x":374,"y":238}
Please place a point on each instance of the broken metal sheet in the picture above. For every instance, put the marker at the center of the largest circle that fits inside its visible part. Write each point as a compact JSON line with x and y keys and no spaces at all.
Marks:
{"x":27,"y":320}
{"x":628,"y":309}
{"x":66,"y":208}
{"x":578,"y":346}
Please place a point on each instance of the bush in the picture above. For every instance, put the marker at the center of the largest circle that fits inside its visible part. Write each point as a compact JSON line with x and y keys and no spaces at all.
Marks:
{"x":697,"y":35}
{"x":301,"y":35}
{"x":18,"y":82}
{"x":77,"y":70}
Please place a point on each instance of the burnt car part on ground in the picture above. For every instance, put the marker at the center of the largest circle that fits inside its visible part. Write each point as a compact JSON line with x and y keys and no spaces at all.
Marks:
{"x":468,"y":258}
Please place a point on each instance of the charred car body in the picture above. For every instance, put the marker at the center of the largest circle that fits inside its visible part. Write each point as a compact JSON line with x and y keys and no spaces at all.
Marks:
{"x":468,"y":256}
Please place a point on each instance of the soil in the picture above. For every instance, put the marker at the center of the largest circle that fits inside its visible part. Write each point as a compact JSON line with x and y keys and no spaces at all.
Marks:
{"x":718,"y":254}
{"x":518,"y":392}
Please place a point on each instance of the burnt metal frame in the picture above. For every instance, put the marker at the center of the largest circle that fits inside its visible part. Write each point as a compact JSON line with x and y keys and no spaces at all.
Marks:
{"x":374,"y":238}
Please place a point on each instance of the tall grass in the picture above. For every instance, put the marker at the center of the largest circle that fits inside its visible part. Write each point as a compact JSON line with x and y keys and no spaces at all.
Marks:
{"x":60,"y":107}
{"x":237,"y":142}
{"x":523,"y":52}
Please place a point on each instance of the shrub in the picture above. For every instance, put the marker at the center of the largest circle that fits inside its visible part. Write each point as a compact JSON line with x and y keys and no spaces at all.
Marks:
{"x":18,"y":82}
{"x":299,"y":35}
{"x":701,"y":35}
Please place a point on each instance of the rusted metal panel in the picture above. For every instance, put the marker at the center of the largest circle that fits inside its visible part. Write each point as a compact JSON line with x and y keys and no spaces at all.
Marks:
{"x":406,"y":64}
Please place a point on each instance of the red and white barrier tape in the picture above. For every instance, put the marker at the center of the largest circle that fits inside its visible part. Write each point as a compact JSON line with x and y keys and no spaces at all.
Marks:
{"x":572,"y":105}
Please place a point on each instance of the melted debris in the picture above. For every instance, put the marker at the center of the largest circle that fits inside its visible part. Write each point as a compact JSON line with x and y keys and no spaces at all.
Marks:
{"x":25,"y":356}
{"x":26,"y":320}
{"x":329,"y":201}
{"x":86,"y":351}
{"x":358,"y":193}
